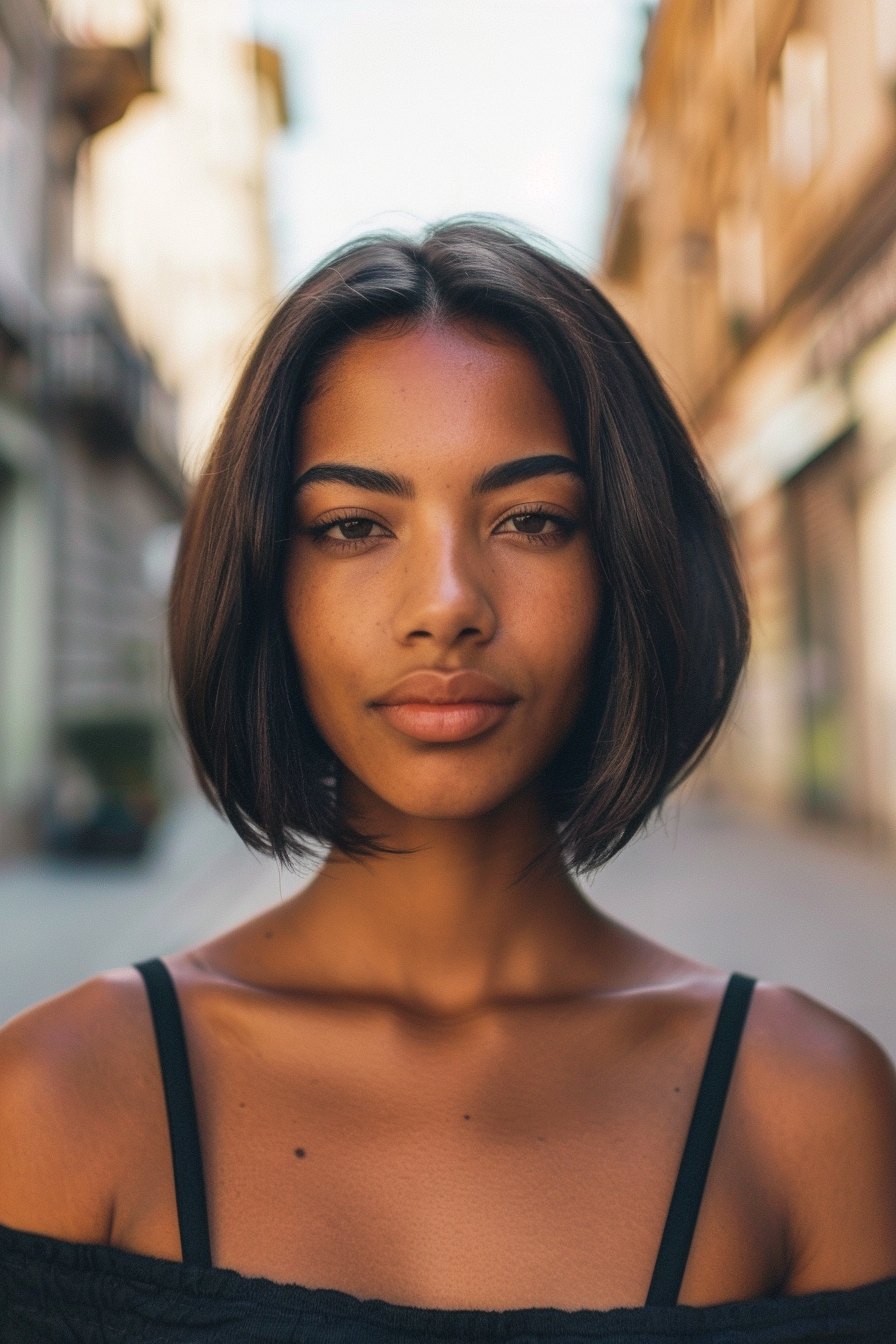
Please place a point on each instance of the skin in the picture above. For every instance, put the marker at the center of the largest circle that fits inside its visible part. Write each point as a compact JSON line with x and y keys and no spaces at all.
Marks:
{"x":427,"y":1078}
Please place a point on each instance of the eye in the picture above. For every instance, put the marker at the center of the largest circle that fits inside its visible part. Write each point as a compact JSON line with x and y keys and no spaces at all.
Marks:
{"x":352,"y":529}
{"x":537,"y":524}
{"x":528,"y":522}
{"x":343,"y":532}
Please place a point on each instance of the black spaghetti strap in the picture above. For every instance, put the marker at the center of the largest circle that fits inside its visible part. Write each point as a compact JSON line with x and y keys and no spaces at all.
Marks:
{"x":186,"y":1154}
{"x":684,"y":1208}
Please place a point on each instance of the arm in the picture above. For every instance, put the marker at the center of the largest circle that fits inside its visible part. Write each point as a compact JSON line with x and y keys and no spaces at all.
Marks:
{"x":74,"y":1073}
{"x":826,"y":1097}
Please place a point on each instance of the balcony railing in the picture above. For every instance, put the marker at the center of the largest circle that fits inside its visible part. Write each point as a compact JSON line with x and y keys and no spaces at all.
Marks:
{"x":89,"y":370}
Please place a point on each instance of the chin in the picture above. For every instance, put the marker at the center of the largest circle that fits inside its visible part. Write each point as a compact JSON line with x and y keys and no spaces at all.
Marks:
{"x":445,"y":802}
{"x":439,"y":810}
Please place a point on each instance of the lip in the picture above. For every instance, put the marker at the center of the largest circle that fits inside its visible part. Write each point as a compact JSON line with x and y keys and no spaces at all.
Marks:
{"x":434,"y":706}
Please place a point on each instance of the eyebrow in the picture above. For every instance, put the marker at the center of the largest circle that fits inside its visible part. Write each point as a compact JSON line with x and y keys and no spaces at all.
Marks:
{"x":388,"y":483}
{"x":525,"y":469}
{"x":362,"y":478}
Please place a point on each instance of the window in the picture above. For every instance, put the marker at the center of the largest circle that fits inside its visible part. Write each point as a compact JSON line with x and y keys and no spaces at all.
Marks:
{"x":798,"y":108}
{"x":741,"y":260}
{"x":824,"y":546}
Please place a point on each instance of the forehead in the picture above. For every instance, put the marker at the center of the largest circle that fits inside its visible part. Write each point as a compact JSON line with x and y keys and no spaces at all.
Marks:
{"x":468,"y":396}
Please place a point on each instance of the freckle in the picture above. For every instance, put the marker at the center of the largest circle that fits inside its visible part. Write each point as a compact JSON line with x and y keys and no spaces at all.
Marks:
{"x":300,"y":1152}
{"x":242,"y":1104}
{"x":542,"y":1140}
{"x":269,"y":933}
{"x":678,"y":1089}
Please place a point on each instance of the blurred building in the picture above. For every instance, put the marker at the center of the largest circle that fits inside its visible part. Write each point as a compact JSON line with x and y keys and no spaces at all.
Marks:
{"x":171,"y":199}
{"x":752,"y":244}
{"x":90,"y":490}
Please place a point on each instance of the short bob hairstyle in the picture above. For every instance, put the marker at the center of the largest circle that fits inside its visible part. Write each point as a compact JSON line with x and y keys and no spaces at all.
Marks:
{"x":673,"y":633}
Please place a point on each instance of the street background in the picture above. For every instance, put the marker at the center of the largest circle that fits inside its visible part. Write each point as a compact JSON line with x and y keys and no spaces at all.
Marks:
{"x":726,"y":169}
{"x":788,"y":904}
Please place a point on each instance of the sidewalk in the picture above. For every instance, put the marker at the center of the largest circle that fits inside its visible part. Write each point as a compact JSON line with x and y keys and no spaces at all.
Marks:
{"x":783,"y":904}
{"x":60,"y":923}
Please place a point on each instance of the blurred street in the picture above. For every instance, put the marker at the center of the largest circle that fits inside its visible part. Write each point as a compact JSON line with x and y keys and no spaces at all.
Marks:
{"x":793,"y":905}
{"x":790,"y":905}
{"x":725,"y":171}
{"x":61,"y":922}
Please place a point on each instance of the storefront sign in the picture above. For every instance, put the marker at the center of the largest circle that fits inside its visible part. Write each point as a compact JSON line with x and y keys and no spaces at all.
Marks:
{"x":862,"y":310}
{"x":792,"y":435}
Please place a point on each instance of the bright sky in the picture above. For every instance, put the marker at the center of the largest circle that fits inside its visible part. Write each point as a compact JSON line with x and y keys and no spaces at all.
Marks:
{"x":406,"y":111}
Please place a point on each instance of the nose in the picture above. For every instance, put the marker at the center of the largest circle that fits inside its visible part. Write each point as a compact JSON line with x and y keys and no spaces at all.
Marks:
{"x":445,"y":597}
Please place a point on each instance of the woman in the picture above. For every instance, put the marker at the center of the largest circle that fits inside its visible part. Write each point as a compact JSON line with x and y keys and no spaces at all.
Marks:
{"x":456,"y":604}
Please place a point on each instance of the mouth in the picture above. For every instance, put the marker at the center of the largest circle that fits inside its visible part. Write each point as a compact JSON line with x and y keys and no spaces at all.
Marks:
{"x":445,"y":706}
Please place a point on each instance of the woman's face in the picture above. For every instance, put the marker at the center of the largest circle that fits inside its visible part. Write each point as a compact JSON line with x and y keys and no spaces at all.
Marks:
{"x":441,"y":592}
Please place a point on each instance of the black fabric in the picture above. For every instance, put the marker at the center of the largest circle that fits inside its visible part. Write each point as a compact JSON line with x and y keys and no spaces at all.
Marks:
{"x":58,"y":1292}
{"x":54,"y":1292}
{"x":186,"y":1151}
{"x":684,"y":1207}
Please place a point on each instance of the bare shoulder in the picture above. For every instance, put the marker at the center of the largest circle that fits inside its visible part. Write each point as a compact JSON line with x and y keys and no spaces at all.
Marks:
{"x":74,"y":1072}
{"x":820,"y":1097}
{"x":804,"y":1052}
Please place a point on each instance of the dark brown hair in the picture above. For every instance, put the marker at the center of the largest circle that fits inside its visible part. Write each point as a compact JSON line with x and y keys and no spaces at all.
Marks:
{"x":673,"y":632}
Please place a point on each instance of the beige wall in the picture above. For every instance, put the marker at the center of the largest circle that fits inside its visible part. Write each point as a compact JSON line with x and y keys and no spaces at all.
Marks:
{"x":752,"y":191}
{"x":730,"y":210}
{"x":878,"y":554}
{"x":874,"y":390}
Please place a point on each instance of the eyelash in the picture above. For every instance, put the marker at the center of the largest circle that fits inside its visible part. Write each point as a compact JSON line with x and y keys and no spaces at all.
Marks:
{"x":318,"y":532}
{"x":564,"y":528}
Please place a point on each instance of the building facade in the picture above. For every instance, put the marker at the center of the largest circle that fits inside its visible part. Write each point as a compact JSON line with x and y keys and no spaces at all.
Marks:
{"x":90,"y":490}
{"x":752,"y":245}
{"x":172,"y":198}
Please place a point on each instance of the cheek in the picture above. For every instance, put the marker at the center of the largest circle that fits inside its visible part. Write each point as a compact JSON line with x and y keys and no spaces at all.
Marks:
{"x":335,"y":636}
{"x":553,"y":624}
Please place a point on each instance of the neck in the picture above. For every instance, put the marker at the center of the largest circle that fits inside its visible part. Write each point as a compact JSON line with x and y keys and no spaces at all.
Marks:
{"x":467,"y":913}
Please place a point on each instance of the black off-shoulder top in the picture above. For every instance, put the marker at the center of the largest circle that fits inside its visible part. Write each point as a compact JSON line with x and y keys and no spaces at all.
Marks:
{"x":58,"y":1292}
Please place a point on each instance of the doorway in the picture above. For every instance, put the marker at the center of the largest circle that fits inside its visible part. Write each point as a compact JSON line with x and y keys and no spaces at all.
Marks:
{"x":822,"y":508}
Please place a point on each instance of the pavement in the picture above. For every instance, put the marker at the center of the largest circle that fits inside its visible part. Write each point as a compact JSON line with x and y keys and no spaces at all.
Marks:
{"x":794,"y":905}
{"x":797,"y":906}
{"x":61,"y":922}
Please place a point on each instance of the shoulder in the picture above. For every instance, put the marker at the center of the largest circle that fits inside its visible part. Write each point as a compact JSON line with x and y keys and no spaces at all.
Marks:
{"x":66,"y":1042}
{"x":818,"y":1097}
{"x":73,"y":1073}
{"x":802,"y":1053}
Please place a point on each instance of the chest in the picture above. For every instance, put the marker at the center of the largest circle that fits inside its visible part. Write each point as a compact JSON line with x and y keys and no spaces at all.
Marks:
{"x":514,"y":1160}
